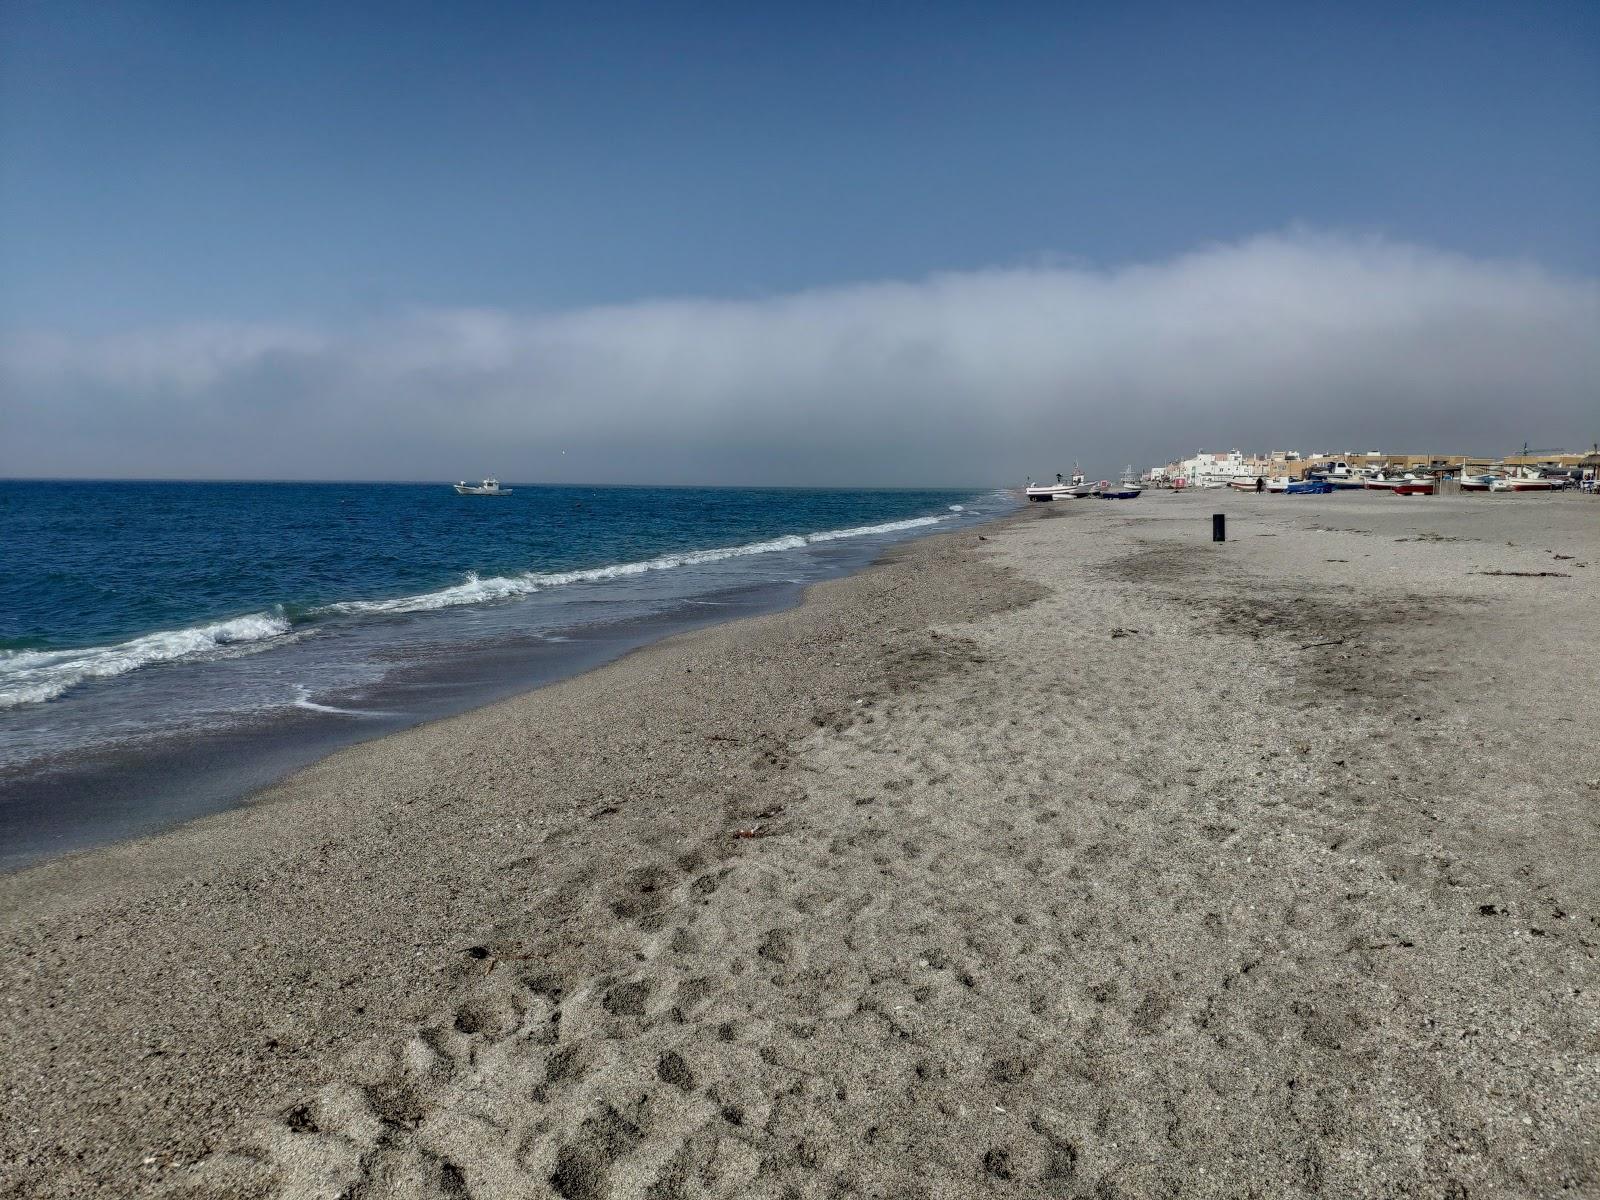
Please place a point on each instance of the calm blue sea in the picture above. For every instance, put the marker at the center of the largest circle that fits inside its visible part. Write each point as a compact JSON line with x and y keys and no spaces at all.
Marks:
{"x":134,"y":613}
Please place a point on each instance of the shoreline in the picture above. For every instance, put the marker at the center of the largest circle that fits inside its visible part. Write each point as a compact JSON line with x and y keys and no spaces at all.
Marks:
{"x":100,"y":796}
{"x":98,"y":799}
{"x":291,"y":973}
{"x":1077,"y":863}
{"x":897,"y":555}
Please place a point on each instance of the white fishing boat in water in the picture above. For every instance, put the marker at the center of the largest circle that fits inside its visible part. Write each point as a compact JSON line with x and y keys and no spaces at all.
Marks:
{"x":489,"y":487}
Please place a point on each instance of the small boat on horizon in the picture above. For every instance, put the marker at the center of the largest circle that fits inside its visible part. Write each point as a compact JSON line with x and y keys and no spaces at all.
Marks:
{"x":489,"y":487}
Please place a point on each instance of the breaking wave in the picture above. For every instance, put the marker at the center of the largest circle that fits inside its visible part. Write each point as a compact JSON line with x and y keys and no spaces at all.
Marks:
{"x":37,"y":676}
{"x":475,"y":589}
{"x":34,"y":676}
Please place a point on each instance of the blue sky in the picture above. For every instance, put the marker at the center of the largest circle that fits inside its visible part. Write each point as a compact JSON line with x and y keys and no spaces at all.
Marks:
{"x":820,"y":243}
{"x":313,"y":161}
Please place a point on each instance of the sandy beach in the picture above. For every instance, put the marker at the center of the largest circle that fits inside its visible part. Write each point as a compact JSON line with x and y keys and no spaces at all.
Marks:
{"x":1075,"y":855}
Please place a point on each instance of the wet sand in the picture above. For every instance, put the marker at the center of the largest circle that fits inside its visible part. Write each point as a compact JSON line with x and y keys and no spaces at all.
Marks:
{"x":94,"y":798}
{"x":1086,"y":857}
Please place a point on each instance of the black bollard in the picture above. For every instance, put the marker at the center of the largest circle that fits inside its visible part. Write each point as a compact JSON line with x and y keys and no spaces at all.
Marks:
{"x":1219,"y":527}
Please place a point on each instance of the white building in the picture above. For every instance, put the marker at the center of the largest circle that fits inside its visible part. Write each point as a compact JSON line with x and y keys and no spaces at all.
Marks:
{"x":1206,"y":468}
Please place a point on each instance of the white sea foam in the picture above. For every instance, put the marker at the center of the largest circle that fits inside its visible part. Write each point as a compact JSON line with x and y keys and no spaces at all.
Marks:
{"x":34,"y":676}
{"x":302,"y":699}
{"x":476,"y":589}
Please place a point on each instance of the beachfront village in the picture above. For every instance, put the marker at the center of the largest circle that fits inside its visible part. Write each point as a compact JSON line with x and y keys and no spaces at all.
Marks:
{"x":1548,"y":468}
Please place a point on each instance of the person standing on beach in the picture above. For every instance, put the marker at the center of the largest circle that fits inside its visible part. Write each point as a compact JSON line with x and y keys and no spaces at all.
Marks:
{"x":1261,"y":483}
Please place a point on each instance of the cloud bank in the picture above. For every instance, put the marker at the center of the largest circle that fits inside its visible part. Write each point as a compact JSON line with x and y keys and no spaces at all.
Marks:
{"x":1292,"y":340}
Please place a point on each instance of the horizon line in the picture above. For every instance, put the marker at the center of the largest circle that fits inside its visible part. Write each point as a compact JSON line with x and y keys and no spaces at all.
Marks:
{"x":767,"y":487}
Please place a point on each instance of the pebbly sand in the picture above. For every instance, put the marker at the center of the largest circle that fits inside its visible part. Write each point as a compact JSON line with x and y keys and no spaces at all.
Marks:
{"x":1090,"y":859}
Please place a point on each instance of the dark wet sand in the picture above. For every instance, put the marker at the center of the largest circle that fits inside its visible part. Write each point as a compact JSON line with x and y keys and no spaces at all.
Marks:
{"x":100,"y":797}
{"x":1089,"y":859}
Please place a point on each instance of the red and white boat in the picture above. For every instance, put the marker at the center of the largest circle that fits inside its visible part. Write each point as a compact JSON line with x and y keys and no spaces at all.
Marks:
{"x":1414,"y":487}
{"x":1389,"y":483}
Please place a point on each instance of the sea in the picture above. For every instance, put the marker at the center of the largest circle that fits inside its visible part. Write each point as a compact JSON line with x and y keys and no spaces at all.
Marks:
{"x":167,"y":648}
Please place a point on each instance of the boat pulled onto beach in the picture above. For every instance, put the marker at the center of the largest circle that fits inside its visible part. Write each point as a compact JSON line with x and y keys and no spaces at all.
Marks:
{"x":1380,"y":482}
{"x":1523,"y":479}
{"x":1062,"y":489}
{"x":1519,"y":479}
{"x":1128,"y":489}
{"x":1339,"y":475}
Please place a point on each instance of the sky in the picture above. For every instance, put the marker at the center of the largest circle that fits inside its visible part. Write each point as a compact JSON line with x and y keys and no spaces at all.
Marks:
{"x":831,"y":244}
